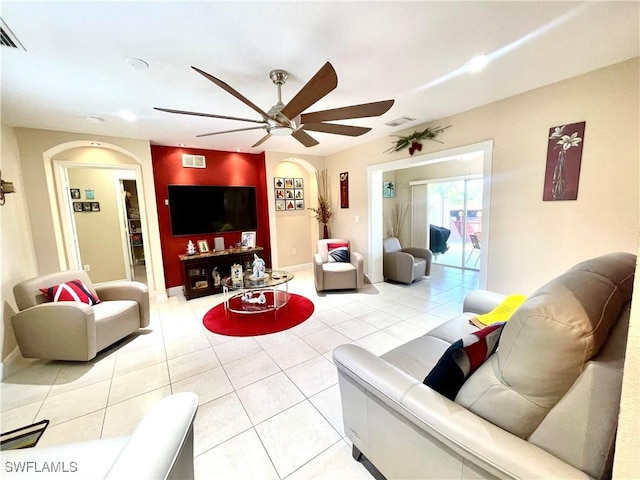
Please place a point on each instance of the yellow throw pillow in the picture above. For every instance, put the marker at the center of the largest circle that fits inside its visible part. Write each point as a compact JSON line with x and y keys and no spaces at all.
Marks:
{"x":501,"y":313}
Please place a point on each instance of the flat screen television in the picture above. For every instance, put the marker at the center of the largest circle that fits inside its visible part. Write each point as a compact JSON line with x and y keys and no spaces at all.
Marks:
{"x":196,"y":209}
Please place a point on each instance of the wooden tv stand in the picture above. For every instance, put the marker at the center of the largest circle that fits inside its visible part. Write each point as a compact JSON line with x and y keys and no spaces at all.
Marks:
{"x":198,"y":269}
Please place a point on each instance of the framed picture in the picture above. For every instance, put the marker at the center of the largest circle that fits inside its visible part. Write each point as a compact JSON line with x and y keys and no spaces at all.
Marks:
{"x":289,"y":194}
{"x":280,"y":206}
{"x":203,"y":246}
{"x":248,"y":239}
{"x":95,"y":206}
{"x":297,"y":183}
{"x":344,"y":190}
{"x":278,"y":182}
{"x":86,"y":206}
{"x":298,"y":194}
{"x":279,"y":193}
{"x":564,"y":156}
{"x":77,"y":206}
{"x":389,"y":189}
{"x":236,"y":275}
{"x":288,"y":183}
{"x":75,"y":193}
{"x":90,"y":194}
{"x":299,"y":204}
{"x":290,"y":205}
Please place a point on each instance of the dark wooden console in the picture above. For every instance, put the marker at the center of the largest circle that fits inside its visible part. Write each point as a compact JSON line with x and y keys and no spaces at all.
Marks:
{"x":198,"y":270}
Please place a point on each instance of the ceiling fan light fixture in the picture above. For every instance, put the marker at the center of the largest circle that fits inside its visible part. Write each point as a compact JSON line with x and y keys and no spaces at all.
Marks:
{"x":280,"y":131}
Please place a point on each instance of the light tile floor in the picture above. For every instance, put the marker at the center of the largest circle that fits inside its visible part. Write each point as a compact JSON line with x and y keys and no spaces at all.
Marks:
{"x":269,"y":405}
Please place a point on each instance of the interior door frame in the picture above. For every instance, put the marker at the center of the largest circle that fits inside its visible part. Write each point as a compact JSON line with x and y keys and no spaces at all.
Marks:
{"x":374,"y":189}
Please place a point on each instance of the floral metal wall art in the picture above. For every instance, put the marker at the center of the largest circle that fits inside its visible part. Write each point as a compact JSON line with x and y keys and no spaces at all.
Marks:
{"x":564,"y":155}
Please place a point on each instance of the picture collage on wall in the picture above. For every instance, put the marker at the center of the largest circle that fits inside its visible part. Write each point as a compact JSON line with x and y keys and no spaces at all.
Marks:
{"x":289,"y":193}
{"x":84,"y":206}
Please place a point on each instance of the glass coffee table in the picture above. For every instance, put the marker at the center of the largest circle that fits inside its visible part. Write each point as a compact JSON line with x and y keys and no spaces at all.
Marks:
{"x":257,"y":295}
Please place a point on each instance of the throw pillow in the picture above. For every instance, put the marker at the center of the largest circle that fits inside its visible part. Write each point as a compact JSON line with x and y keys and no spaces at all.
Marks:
{"x":73,"y":291}
{"x":463,"y":358}
{"x":338,"y":252}
{"x":501,"y":313}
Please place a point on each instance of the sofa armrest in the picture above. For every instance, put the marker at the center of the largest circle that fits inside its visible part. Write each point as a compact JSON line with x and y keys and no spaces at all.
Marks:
{"x":318,"y":274}
{"x":56,"y":330}
{"x":162,"y":444}
{"x":419,"y":252}
{"x":477,"y":440}
{"x":357,"y":260}
{"x":398,"y":266}
{"x":136,"y":291}
{"x":482,"y":301}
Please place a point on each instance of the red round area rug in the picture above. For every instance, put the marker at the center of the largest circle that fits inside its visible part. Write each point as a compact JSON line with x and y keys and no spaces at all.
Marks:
{"x":219,"y":320}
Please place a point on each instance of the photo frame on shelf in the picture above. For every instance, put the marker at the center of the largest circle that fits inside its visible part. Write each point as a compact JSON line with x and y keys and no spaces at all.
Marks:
{"x":218,"y":243}
{"x":75,"y":193}
{"x":237,"y":279}
{"x":203,"y":246}
{"x":248,"y":239}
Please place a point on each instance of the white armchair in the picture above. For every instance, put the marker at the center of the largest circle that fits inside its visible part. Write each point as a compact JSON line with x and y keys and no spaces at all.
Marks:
{"x":73,"y":330}
{"x":160,"y":447}
{"x":337,"y":275}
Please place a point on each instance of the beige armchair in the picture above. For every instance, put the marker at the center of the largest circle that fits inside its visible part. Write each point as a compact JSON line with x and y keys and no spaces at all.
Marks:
{"x":404,"y":265}
{"x":337,"y":275}
{"x":73,"y":330}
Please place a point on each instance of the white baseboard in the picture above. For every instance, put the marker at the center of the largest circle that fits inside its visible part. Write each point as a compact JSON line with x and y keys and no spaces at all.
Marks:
{"x":161,"y":298}
{"x":297,"y":268}
{"x":175,"y":291}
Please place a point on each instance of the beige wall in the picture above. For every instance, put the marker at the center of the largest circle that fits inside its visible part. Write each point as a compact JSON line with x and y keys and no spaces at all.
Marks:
{"x":17,"y":254}
{"x":99,"y":233}
{"x":36,"y":148}
{"x":530,"y":240}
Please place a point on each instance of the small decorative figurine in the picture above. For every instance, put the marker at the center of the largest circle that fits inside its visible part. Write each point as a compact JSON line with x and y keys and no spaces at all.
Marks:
{"x":191,"y":248}
{"x":216,"y":277}
{"x":258,"y":266}
{"x":236,"y":276}
{"x":248,"y":297}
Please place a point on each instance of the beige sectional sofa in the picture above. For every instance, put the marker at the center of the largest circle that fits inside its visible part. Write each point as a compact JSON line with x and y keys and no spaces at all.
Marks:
{"x":545,"y":405}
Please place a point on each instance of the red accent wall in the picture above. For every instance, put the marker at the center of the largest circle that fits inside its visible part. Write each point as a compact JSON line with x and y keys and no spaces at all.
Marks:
{"x":223,"y":168}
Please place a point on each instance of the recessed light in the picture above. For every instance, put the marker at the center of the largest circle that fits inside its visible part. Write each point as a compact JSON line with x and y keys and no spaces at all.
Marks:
{"x":128,"y":115}
{"x":477,"y":63}
{"x":238,"y":150}
{"x":94,"y":119}
{"x":136,"y":63}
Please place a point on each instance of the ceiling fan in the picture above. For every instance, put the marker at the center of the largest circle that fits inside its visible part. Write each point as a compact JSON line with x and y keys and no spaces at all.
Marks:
{"x":289,"y":119}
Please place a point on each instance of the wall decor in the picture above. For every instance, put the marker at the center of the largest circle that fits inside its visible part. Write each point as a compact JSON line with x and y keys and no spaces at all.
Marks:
{"x":248,"y":239}
{"x":344,"y":190}
{"x":86,"y":206}
{"x":89,"y":194}
{"x":95,"y":206}
{"x":564,"y":156}
{"x":413,"y":141}
{"x":203,"y":246}
{"x":289,"y":193}
{"x":75,"y":193}
{"x":77,"y":206}
{"x":389,"y":189}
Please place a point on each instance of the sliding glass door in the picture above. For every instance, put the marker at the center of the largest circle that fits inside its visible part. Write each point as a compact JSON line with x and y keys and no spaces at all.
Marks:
{"x":454,"y":219}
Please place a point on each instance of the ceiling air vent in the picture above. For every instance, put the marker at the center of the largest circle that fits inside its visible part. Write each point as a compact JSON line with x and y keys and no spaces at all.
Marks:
{"x":399,"y":121}
{"x":193,"y":161}
{"x":8,"y":39}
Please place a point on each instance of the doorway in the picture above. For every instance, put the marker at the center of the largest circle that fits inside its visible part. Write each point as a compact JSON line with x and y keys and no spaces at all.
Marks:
{"x":134,"y":238}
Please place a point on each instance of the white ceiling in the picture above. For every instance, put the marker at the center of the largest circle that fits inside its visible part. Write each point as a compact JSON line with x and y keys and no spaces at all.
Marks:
{"x":74,"y":64}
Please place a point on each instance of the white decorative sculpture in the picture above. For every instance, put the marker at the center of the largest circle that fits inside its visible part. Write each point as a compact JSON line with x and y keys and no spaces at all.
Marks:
{"x":248,"y":297}
{"x":216,"y":277}
{"x":258,"y":266}
{"x":191,"y":248}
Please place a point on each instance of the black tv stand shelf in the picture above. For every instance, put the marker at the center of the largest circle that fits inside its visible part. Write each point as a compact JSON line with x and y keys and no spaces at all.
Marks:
{"x":198,"y":270}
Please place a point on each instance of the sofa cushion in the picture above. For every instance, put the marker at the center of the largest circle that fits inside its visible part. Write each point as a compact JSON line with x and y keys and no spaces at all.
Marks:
{"x":559,"y":328}
{"x":338,"y":252}
{"x":72,"y":291}
{"x":463,"y":358}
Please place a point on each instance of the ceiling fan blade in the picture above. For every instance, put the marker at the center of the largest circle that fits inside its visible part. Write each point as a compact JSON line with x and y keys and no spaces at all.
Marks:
{"x":320,"y":84}
{"x":232,"y":91}
{"x":211,"y":115}
{"x":348,"y":130}
{"x":304,"y":138}
{"x":261,"y":141}
{"x":229,"y":131}
{"x":373,"y":109}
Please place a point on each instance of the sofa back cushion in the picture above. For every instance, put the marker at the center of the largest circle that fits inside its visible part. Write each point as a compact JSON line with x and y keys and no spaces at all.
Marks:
{"x":28,"y":292}
{"x":545,"y":345}
{"x":390,"y":245}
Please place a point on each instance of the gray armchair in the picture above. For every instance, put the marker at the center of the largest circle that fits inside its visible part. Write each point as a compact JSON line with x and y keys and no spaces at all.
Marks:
{"x":73,"y":330}
{"x":404,"y":265}
{"x":337,"y":275}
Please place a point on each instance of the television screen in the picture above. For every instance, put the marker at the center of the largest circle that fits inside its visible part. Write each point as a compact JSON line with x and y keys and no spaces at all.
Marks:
{"x":198,"y":209}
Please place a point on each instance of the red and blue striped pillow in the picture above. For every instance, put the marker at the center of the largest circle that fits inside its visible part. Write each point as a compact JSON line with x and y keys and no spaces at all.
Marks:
{"x":338,"y":252}
{"x":73,"y":291}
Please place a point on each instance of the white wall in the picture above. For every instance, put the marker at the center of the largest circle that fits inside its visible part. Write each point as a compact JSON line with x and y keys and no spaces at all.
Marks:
{"x":17,"y":254}
{"x":532,"y":241}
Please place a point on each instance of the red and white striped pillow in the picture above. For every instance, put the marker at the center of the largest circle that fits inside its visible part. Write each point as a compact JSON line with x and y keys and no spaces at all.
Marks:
{"x":73,"y":291}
